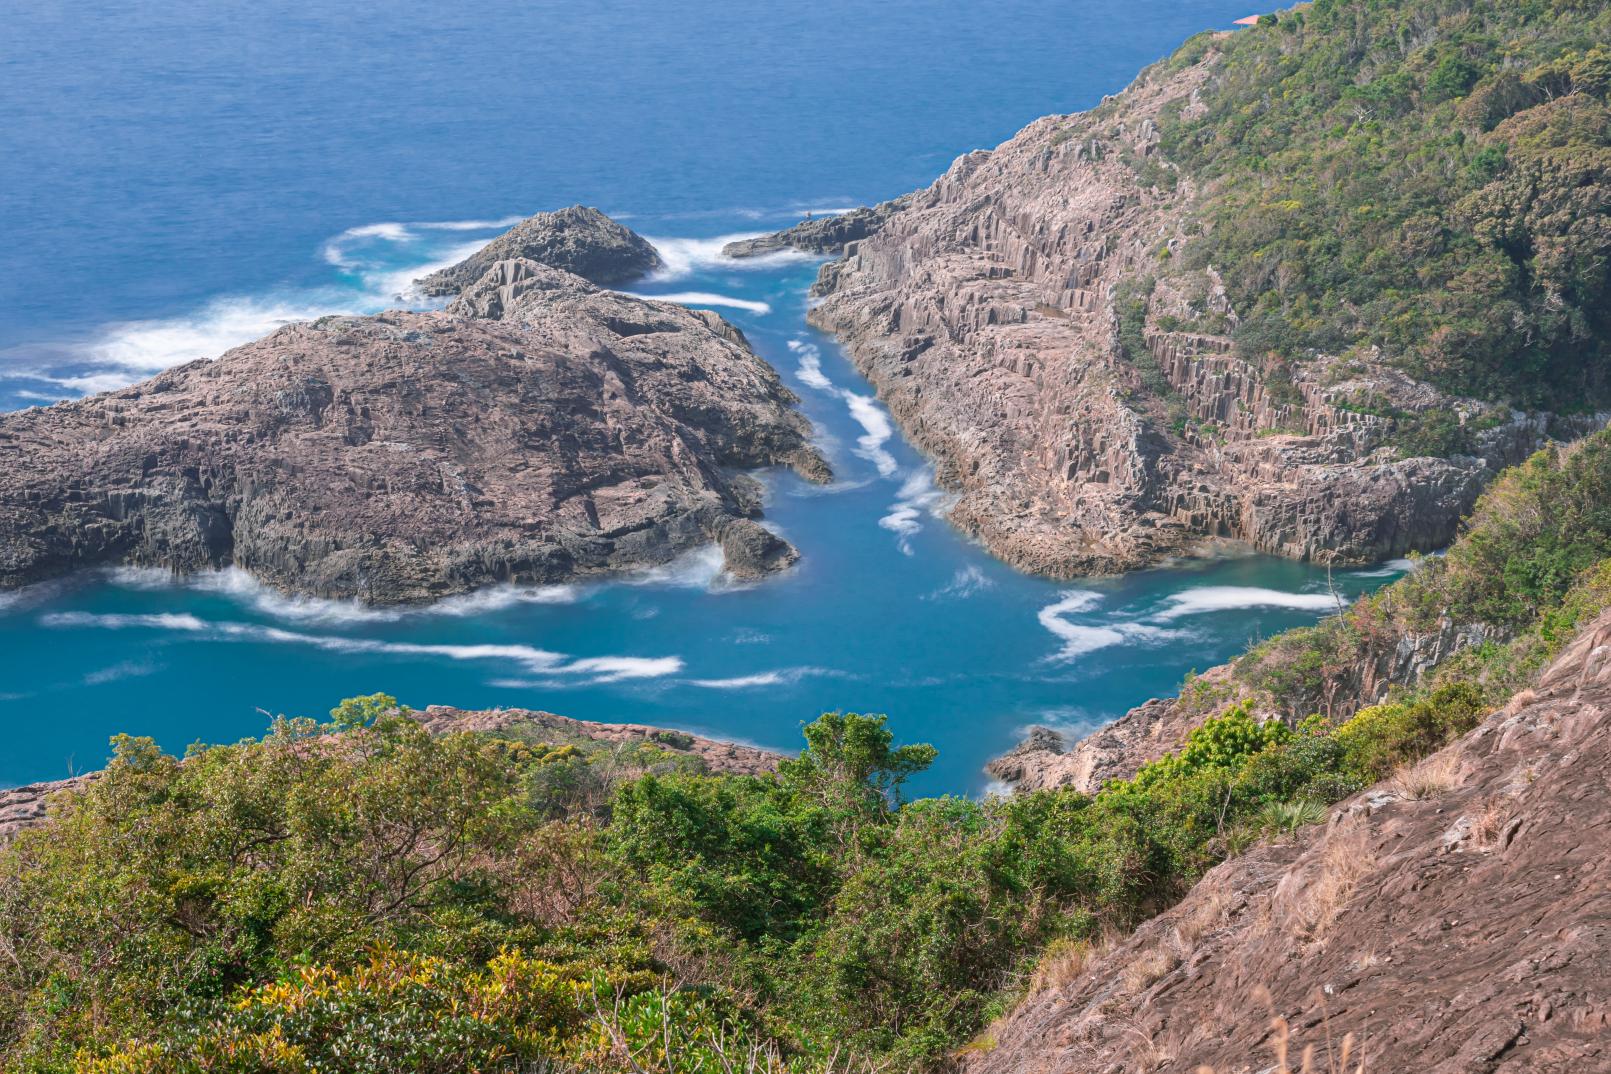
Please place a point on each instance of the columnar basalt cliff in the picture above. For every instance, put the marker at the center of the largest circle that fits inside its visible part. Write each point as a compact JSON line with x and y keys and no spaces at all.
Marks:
{"x":1018,"y":319}
{"x":541,"y":430}
{"x":1453,"y":920}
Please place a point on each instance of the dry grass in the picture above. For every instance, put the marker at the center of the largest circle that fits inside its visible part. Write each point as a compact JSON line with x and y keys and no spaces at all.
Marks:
{"x":1148,"y":967}
{"x":1334,"y":1057}
{"x":1488,"y":826}
{"x":1308,"y":909}
{"x":1436,"y":775}
{"x":1063,"y":961}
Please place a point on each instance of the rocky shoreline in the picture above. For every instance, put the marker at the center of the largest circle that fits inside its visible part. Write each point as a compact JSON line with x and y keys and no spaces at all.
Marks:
{"x":538,"y":430}
{"x":999,"y":314}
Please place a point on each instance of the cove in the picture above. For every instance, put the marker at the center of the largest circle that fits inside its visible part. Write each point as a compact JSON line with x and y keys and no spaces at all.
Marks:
{"x":890,"y":610}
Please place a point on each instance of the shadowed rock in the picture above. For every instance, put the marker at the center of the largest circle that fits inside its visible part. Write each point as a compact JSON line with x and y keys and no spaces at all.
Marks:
{"x":823,"y":234}
{"x":410,"y":456}
{"x":578,"y":240}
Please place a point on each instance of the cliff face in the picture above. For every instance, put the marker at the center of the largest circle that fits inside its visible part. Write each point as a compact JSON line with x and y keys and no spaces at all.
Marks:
{"x":409,"y":456}
{"x":1004,"y":316}
{"x":1454,"y":920}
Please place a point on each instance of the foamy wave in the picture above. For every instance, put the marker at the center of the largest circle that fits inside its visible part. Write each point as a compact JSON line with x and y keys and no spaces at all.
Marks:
{"x":917,"y":497}
{"x":242,"y":587}
{"x":681,"y":258}
{"x":146,"y":347}
{"x":1219,"y":598}
{"x":1386,"y":570}
{"x":707,"y":298}
{"x":781,"y":677}
{"x":599,"y":669}
{"x":966,"y":582}
{"x":700,"y":568}
{"x":128,"y":669}
{"x":809,"y":369}
{"x":1081,"y":638}
{"x":871,"y":417}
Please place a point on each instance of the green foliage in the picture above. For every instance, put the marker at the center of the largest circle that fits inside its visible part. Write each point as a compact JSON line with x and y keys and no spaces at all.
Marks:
{"x":1380,"y":739}
{"x":1429,"y":176}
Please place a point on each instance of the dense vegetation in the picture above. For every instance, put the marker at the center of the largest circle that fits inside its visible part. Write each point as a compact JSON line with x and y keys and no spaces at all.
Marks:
{"x":1432,"y":177}
{"x":359,"y":895}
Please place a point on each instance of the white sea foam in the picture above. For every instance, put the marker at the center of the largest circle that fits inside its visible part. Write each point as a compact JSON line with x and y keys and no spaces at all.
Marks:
{"x":1218,"y":598}
{"x":700,"y":568}
{"x":872,"y":418}
{"x":917,"y":497}
{"x":146,"y":347}
{"x":707,"y":298}
{"x":966,"y":582}
{"x":128,"y":669}
{"x":809,"y":369}
{"x":243,"y":588}
{"x":780,"y":677}
{"x":599,"y":669}
{"x":1385,"y":570}
{"x":1077,"y":638}
{"x":681,"y":258}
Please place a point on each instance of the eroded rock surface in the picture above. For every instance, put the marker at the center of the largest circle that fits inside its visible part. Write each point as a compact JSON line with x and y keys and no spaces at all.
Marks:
{"x":987,"y":311}
{"x":578,"y":240}
{"x":1454,"y":923}
{"x":542,"y":430}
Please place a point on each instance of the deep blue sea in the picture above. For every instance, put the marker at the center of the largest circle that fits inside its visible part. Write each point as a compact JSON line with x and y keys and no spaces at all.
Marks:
{"x":177,"y":178}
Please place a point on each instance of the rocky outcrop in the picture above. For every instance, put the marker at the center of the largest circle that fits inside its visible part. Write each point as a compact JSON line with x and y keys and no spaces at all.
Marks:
{"x":823,"y":234}
{"x":1092,"y":426}
{"x":542,"y":430}
{"x":1452,"y":921}
{"x":578,"y":240}
{"x":24,"y":807}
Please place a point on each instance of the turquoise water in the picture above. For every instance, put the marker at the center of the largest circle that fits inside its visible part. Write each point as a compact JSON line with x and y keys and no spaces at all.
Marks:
{"x":222,"y":168}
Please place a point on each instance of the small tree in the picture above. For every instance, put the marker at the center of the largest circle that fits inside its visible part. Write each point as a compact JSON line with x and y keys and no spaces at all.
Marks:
{"x":851,"y":766}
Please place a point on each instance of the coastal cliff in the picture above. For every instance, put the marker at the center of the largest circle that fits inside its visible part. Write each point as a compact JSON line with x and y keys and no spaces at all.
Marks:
{"x":542,"y":429}
{"x":1451,"y":919}
{"x":1051,"y":323}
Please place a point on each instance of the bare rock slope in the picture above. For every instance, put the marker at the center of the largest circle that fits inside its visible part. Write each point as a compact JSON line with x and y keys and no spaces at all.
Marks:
{"x":1454,"y":921}
{"x":987,"y":310}
{"x":579,"y":240}
{"x":543,"y":429}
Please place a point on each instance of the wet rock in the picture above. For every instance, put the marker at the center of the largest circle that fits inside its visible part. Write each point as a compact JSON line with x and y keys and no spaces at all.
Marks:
{"x":544,"y":430}
{"x":753,"y":551}
{"x":577,"y":240}
{"x":822,"y":234}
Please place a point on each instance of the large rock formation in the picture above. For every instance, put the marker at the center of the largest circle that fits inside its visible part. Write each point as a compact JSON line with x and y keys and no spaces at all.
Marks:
{"x":579,"y":240}
{"x":541,"y":430}
{"x":1003,"y":316}
{"x":1453,"y":921}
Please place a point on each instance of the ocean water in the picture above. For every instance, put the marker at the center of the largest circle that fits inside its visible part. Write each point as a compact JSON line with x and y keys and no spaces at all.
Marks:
{"x":180,"y":178}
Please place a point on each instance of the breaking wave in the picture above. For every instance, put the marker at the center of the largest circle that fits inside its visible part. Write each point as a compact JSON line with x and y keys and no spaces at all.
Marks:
{"x":1220,"y":598}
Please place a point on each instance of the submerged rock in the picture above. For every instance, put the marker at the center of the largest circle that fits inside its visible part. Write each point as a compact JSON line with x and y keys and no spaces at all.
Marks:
{"x":410,"y":456}
{"x":578,"y":240}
